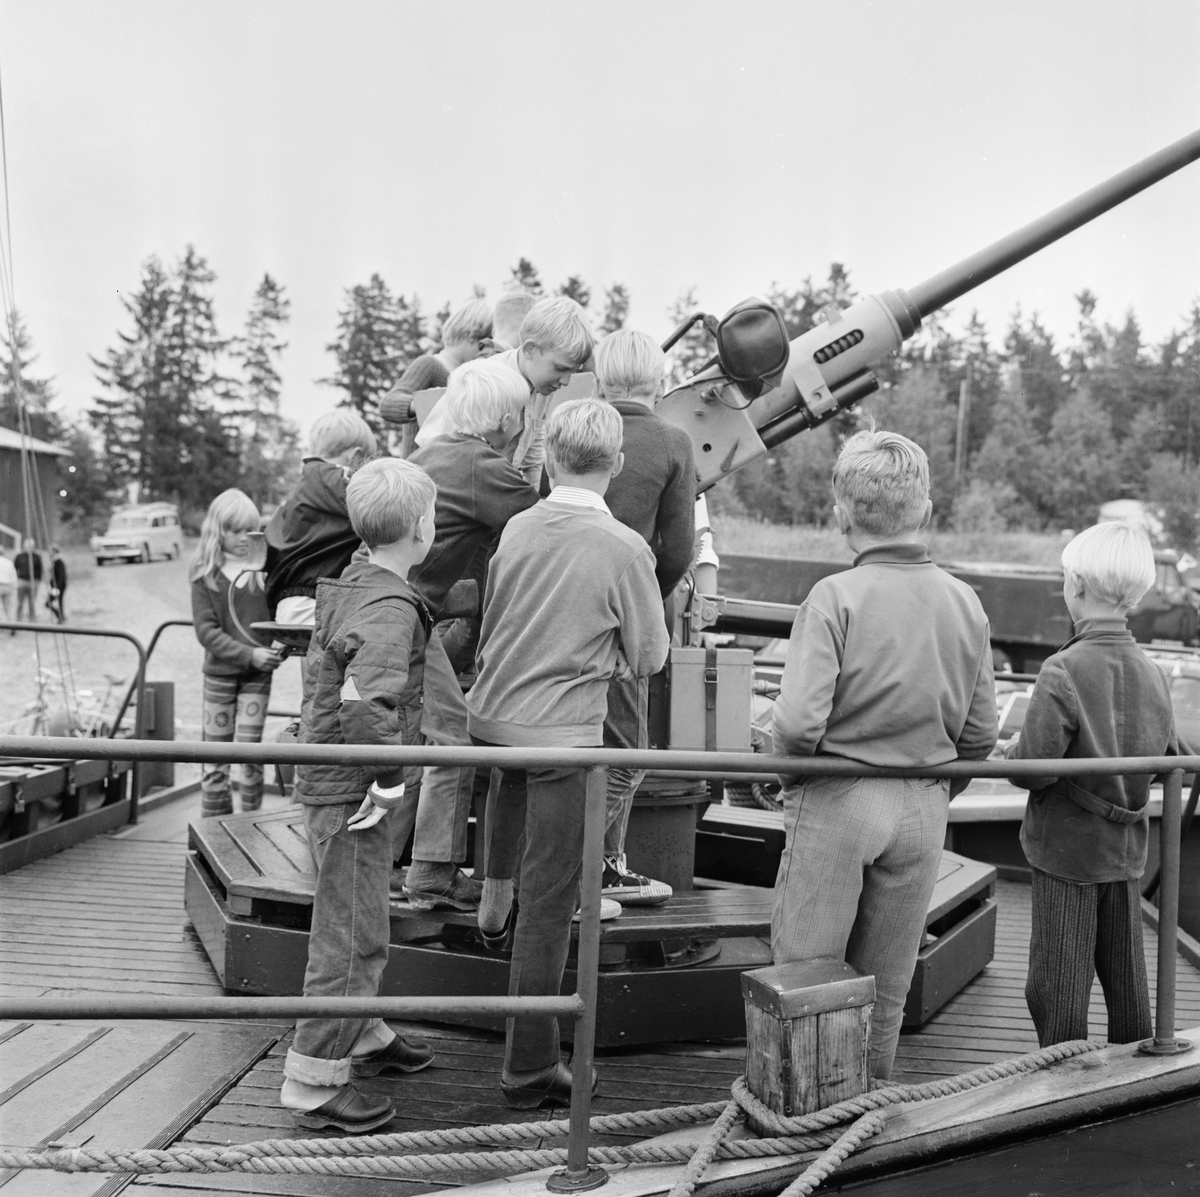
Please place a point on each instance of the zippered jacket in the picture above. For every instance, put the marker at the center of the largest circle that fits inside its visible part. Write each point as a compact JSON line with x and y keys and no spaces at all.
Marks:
{"x":365,"y":671}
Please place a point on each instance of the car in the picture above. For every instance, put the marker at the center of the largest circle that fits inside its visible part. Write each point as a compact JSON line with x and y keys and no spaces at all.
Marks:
{"x":140,"y":533}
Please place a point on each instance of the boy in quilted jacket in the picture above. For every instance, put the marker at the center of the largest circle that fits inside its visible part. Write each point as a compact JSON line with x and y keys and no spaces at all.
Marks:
{"x":366,"y":666}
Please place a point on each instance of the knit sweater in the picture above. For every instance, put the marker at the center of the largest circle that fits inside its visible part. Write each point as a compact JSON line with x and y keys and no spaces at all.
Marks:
{"x":890,"y":664}
{"x":568,"y":586}
{"x":478,"y":492}
{"x":1098,"y":696}
{"x":226,"y":651}
{"x":655,"y":492}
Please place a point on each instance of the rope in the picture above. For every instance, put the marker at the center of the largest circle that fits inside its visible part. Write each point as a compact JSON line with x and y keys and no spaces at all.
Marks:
{"x":367,"y":1155}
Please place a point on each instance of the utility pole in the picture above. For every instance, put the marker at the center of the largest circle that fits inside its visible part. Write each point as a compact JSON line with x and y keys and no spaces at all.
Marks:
{"x":964,"y":422}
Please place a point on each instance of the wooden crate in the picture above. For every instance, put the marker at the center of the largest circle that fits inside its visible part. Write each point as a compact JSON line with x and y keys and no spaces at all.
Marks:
{"x":808,"y":1027}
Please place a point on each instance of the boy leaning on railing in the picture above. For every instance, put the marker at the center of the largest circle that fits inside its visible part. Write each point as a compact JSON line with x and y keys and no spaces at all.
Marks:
{"x":889,"y":664}
{"x":1098,"y":696}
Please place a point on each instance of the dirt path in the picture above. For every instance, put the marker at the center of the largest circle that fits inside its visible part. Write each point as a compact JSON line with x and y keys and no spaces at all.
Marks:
{"x":129,"y":598}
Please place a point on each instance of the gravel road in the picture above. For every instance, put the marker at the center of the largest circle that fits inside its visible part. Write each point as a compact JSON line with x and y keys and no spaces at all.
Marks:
{"x":132,"y":598}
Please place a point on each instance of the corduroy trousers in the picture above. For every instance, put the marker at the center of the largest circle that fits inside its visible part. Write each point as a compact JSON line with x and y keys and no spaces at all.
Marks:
{"x":860,"y":860}
{"x":1080,"y":931}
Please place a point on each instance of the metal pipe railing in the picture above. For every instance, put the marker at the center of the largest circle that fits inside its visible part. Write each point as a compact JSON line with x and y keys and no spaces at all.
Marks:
{"x":581,"y":1005}
{"x":138,"y":687}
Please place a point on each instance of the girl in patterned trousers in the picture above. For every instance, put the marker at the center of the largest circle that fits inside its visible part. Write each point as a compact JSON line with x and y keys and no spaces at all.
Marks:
{"x":237,"y":663}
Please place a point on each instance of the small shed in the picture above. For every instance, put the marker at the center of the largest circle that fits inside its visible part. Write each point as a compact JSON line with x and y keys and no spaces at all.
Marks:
{"x":44,"y":458}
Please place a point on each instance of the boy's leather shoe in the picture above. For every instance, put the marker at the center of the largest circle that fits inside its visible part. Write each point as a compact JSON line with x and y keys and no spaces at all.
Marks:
{"x":434,"y":886}
{"x":348,"y":1110}
{"x":549,"y":1088}
{"x":401,"y":1055}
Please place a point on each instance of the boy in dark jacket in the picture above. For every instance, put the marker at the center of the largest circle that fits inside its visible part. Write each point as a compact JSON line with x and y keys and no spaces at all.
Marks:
{"x":309,"y":537}
{"x":655,"y":495}
{"x":1098,"y":696}
{"x":479,"y":491}
{"x":366,"y":667}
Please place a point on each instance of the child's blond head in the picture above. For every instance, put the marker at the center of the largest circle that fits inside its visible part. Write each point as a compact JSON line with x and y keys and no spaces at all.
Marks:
{"x":1114,"y":561}
{"x":559,"y":325}
{"x":881,"y":482}
{"x":387,"y":498}
{"x":471,"y":323}
{"x":630,"y":365}
{"x":480,"y":394}
{"x":231,"y":511}
{"x":339,"y":430}
{"x":584,"y":436}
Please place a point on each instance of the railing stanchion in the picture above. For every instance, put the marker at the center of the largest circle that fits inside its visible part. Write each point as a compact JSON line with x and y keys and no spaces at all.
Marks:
{"x":578,"y":1175}
{"x":1165,"y":1042}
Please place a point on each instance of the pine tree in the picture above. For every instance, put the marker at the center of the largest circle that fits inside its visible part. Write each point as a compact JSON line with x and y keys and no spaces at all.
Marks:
{"x":616,"y":308}
{"x":575,"y":288}
{"x":525,"y":278}
{"x":37,"y":394}
{"x":159,"y":417}
{"x":268,"y":442}
{"x":377,"y":336}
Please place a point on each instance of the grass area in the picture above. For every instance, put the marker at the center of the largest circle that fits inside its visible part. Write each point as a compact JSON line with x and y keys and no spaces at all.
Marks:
{"x":737,"y":534}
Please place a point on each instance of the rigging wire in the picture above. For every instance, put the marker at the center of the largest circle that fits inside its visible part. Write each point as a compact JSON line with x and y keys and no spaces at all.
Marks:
{"x":32,"y":496}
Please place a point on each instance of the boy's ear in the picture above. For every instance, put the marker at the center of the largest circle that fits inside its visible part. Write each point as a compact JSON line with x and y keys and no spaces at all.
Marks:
{"x":927,"y":516}
{"x":844,"y":522}
{"x":551,"y":466}
{"x":618,"y":465}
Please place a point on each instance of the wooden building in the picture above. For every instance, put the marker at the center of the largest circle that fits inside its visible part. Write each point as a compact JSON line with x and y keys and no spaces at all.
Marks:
{"x":45,"y":462}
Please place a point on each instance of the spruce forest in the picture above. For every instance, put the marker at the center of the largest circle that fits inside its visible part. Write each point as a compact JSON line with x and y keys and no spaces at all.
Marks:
{"x":185,"y":409}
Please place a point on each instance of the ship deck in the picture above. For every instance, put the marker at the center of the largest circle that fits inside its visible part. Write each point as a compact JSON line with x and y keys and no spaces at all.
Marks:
{"x":107,"y":917}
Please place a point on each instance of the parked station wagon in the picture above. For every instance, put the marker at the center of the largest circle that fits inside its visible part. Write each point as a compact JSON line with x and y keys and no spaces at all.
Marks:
{"x":140,"y":533}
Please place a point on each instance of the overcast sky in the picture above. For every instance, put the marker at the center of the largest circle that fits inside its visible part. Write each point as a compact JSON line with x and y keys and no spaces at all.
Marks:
{"x":652,"y":142}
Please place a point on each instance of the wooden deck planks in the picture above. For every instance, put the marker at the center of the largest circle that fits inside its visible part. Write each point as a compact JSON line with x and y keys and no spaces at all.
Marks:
{"x":107,"y":917}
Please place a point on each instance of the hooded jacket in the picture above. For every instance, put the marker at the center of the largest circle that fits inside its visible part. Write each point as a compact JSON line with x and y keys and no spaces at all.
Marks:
{"x":366,"y":669}
{"x":310,"y":536}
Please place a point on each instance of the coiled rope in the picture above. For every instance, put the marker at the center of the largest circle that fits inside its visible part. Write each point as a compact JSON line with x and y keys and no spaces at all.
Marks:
{"x":824,"y":1131}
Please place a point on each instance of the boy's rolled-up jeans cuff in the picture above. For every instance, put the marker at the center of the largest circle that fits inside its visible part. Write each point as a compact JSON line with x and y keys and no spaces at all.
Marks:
{"x":313,"y":1070}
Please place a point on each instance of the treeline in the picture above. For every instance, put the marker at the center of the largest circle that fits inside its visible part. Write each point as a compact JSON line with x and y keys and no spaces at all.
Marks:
{"x":1053,"y":432}
{"x":185,"y":410}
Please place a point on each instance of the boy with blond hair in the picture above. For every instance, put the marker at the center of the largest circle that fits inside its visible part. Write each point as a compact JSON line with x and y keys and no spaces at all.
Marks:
{"x":889,"y":664}
{"x":479,"y":491}
{"x":1098,"y":696}
{"x":366,"y":661}
{"x":465,"y":335}
{"x":310,"y":537}
{"x":655,"y":495}
{"x":555,"y":342}
{"x":571,"y":598}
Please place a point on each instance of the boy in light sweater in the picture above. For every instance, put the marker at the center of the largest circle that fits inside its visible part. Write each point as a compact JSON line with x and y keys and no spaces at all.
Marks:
{"x":889,"y":664}
{"x":571,"y":599}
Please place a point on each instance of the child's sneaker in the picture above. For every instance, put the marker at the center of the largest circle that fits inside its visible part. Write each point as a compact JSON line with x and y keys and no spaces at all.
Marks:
{"x":629,"y":888}
{"x":434,"y":886}
{"x":608,"y":910}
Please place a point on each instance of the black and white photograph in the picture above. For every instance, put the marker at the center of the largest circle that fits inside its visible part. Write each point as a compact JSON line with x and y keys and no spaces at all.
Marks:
{"x":599,"y":596}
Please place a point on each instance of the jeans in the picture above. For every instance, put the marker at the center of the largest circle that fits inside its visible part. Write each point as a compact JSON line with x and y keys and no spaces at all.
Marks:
{"x":27,"y":599}
{"x":445,"y":804}
{"x":547,"y":806}
{"x":348,"y":943}
{"x":624,"y":727}
{"x":860,"y":860}
{"x":235,"y":710}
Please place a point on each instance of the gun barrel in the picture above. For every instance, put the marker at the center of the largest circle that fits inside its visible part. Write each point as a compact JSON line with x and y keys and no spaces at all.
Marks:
{"x":962,"y":277}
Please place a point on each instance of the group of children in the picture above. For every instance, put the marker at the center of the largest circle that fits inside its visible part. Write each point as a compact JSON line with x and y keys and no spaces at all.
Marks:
{"x":581,"y":519}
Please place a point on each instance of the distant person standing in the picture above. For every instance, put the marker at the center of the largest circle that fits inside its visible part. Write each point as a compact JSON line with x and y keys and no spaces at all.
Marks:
{"x":29,"y":577}
{"x":58,"y":584}
{"x":8,"y":587}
